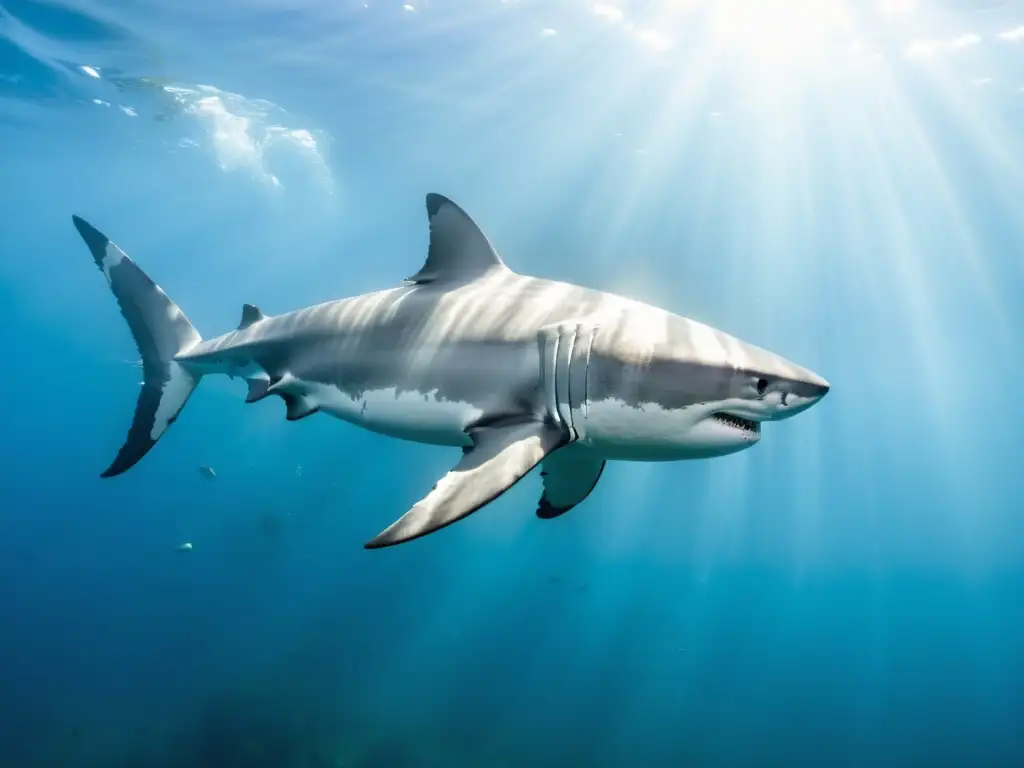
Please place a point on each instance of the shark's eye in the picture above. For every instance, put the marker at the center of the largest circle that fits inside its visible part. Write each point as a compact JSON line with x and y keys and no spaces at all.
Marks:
{"x":762,"y":385}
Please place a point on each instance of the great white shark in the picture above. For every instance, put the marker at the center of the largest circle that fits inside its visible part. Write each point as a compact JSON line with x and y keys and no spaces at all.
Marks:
{"x":515,"y":370}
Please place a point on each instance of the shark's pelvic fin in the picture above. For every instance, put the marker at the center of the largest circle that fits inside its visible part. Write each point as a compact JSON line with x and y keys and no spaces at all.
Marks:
{"x":570,"y":474}
{"x":298,"y":406}
{"x":250,"y":314}
{"x":161,"y":332}
{"x":499,"y":458}
{"x":257,"y":389}
{"x":459,"y":251}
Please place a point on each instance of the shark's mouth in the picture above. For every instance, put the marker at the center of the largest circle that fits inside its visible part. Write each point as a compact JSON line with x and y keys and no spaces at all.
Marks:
{"x":738,"y":423}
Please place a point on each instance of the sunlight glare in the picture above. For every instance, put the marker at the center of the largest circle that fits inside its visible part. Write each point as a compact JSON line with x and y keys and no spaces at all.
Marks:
{"x":787,"y":31}
{"x":897,"y":6}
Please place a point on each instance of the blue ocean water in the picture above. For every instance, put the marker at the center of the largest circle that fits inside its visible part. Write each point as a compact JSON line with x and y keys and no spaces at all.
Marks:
{"x":838,"y":182}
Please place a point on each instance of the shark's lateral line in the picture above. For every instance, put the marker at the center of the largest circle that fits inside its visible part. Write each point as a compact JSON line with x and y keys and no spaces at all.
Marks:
{"x":516,"y":370}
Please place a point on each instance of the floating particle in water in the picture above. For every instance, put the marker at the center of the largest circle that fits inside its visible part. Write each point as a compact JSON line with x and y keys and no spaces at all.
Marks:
{"x":186,"y":547}
{"x":207,"y":472}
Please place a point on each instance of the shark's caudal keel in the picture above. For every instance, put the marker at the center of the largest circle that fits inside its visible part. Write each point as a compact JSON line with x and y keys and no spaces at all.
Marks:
{"x":515,"y":370}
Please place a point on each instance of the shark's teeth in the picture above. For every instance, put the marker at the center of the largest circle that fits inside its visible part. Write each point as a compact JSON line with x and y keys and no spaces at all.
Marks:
{"x":739,"y":423}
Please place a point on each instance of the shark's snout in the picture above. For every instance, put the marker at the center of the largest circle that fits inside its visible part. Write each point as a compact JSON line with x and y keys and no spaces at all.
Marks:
{"x":816,"y":384}
{"x":798,"y":394}
{"x":811,"y":386}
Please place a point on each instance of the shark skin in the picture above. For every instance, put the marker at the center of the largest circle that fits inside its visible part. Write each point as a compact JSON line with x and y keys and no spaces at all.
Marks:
{"x":515,"y":370}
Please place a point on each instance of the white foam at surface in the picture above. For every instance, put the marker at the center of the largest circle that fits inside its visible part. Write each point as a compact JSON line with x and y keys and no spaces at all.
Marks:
{"x":246,"y":132}
{"x":252,"y":135}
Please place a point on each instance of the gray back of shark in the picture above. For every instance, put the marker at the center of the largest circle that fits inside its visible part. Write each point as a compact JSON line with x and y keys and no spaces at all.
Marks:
{"x":515,"y":370}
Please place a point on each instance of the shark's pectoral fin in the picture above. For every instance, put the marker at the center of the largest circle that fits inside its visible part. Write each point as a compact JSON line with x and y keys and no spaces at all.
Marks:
{"x":499,"y":458}
{"x":569,"y":476}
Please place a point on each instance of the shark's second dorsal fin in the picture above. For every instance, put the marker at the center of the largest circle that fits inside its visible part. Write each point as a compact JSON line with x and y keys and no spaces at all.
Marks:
{"x":250,"y":314}
{"x":459,"y":252}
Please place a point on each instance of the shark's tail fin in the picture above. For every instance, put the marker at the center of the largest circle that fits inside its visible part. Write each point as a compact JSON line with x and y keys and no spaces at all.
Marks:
{"x":161,"y":332}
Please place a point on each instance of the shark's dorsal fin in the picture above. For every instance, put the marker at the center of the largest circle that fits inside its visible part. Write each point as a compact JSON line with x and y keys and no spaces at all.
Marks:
{"x":250,"y":314}
{"x":459,"y":251}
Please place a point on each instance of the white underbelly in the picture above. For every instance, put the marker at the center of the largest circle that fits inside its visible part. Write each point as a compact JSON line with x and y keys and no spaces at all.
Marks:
{"x":407,"y":415}
{"x":623,"y":432}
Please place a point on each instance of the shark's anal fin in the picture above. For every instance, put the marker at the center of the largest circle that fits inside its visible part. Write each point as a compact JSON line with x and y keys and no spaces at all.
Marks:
{"x":499,"y":458}
{"x":459,"y":251}
{"x":250,"y":314}
{"x":569,"y":476}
